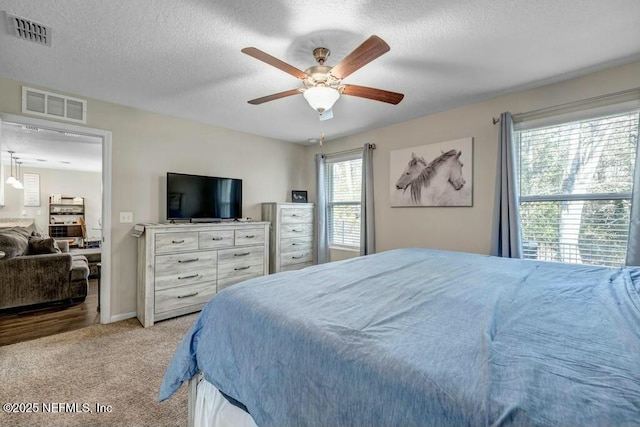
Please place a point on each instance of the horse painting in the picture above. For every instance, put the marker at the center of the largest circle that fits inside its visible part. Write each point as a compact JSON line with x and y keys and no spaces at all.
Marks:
{"x":440,"y":182}
{"x":414,"y":168}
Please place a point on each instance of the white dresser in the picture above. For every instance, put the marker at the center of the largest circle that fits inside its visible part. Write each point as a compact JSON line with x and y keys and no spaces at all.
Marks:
{"x":291,"y":238}
{"x":181,"y":266}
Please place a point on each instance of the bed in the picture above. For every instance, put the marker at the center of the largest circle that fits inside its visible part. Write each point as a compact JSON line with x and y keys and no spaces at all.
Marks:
{"x":413,"y":337}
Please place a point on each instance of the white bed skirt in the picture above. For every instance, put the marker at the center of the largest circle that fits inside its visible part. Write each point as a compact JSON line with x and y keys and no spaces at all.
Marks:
{"x":213,"y":410}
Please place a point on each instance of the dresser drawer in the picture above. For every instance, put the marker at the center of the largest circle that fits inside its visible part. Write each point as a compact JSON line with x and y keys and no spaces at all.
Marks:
{"x":187,"y":277}
{"x":170,"y":265}
{"x":215,"y":239}
{"x":294,"y":244}
{"x":296,"y":230}
{"x":225,"y":283}
{"x":249,"y":236}
{"x":296,"y":257}
{"x":183,"y":296}
{"x":296,"y":216}
{"x":240,"y":262}
{"x":227,"y":257}
{"x":300,"y":266}
{"x":175,"y":242}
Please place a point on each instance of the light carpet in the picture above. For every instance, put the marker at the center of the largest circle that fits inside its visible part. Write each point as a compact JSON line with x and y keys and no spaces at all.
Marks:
{"x":118,"y":365}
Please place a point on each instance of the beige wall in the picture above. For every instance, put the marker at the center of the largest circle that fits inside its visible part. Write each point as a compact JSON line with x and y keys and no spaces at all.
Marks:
{"x":463,"y":229}
{"x":52,"y":181}
{"x":147,"y":145}
{"x":336,"y":254}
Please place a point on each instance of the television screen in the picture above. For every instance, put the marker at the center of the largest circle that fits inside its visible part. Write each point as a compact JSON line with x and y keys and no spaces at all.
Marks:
{"x":203,"y":197}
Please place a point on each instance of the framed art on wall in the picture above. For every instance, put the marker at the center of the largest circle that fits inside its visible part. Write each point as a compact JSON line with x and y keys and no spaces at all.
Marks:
{"x":438,"y":174}
{"x":31,"y":189}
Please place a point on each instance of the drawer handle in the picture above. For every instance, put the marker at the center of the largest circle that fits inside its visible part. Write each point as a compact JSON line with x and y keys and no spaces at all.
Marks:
{"x":188,"y":260}
{"x":296,"y":231}
{"x":242,"y":268}
{"x":177,"y":241}
{"x":188,"y":277}
{"x":188,"y":295}
{"x":250,"y":236}
{"x":218,"y":238}
{"x":294,"y":215}
{"x":243,"y":254}
{"x":298,"y":257}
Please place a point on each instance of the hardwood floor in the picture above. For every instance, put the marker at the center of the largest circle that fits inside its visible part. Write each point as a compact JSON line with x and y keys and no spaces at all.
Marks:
{"x":24,"y":326}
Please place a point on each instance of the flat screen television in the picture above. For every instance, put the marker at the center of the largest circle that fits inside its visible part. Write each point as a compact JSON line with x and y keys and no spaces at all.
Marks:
{"x":197,"y":197}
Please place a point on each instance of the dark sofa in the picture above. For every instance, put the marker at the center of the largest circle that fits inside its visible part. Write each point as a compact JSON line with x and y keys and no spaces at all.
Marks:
{"x":36,"y":270}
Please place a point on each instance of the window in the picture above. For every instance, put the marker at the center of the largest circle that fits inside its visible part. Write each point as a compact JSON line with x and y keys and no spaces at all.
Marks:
{"x":576,"y":179}
{"x":344,"y":187}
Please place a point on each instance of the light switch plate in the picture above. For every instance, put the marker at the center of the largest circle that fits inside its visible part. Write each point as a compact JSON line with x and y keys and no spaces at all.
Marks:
{"x":126,"y":217}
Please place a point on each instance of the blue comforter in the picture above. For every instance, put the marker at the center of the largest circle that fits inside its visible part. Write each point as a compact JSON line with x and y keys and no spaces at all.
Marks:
{"x":423,"y":337}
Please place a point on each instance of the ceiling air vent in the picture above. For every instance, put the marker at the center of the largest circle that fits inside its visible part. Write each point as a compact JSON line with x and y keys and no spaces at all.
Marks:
{"x":29,"y":30}
{"x":53,"y":105}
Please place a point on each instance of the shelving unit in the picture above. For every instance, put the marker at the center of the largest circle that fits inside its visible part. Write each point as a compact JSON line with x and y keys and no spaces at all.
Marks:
{"x":66,"y":219}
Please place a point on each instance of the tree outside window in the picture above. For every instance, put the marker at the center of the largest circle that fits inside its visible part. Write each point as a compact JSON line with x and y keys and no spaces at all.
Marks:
{"x":575,"y":183}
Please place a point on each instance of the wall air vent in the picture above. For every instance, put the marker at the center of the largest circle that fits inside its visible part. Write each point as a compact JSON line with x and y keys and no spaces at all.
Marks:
{"x":29,"y":30}
{"x":53,"y":105}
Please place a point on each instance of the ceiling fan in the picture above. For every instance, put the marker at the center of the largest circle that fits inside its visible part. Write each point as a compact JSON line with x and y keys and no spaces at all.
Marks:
{"x":323,"y":84}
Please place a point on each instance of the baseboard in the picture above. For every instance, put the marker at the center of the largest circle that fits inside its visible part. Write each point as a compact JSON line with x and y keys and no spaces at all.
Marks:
{"x":124,"y":316}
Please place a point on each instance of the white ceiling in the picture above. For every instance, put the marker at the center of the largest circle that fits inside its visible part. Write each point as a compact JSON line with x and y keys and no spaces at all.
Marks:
{"x":182,"y":57}
{"x":49,"y":149}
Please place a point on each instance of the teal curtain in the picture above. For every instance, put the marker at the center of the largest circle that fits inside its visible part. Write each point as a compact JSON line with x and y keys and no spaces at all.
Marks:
{"x":367,"y":218}
{"x":322,"y":240}
{"x":633,"y":246}
{"x":506,"y":240}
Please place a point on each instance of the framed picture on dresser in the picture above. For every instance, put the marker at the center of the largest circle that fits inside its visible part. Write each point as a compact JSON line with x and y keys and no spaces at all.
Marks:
{"x":299,"y":196}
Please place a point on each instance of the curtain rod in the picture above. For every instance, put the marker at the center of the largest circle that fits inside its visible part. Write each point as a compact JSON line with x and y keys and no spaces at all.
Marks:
{"x":573,"y":104}
{"x":346,"y":152}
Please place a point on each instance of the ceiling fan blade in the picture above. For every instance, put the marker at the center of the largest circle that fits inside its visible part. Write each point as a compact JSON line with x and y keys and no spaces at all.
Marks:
{"x":275,"y":96}
{"x":371,"y":93}
{"x":275,"y":62}
{"x":371,"y":49}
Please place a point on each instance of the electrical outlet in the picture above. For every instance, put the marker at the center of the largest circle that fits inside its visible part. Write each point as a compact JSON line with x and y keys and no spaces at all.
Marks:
{"x":126,"y":217}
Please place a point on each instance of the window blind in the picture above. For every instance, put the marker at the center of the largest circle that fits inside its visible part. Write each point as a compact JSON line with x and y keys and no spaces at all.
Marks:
{"x":344,"y":187}
{"x":575,"y":180}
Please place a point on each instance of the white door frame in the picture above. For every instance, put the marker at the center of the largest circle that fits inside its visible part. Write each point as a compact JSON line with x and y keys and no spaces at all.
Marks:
{"x":105,"y":135}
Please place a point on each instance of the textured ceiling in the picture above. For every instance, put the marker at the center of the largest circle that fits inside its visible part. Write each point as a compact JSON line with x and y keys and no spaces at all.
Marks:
{"x":51,"y":149}
{"x":182,"y":57}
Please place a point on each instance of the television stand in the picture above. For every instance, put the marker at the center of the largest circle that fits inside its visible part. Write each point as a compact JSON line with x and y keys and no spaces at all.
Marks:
{"x":208,"y":258}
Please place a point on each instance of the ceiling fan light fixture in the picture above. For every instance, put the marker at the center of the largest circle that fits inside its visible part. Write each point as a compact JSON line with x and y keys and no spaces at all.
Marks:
{"x":321,"y":98}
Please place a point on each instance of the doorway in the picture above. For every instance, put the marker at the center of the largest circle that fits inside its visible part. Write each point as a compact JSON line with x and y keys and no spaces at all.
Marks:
{"x":100,"y":227}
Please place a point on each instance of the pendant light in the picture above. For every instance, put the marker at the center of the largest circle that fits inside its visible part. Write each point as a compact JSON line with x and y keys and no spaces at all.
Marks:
{"x":18,"y":185}
{"x":11,"y":180}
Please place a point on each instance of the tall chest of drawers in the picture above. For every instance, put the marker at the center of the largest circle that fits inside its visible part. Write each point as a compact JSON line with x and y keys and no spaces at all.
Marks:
{"x":181,"y":266}
{"x":291,"y":241}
